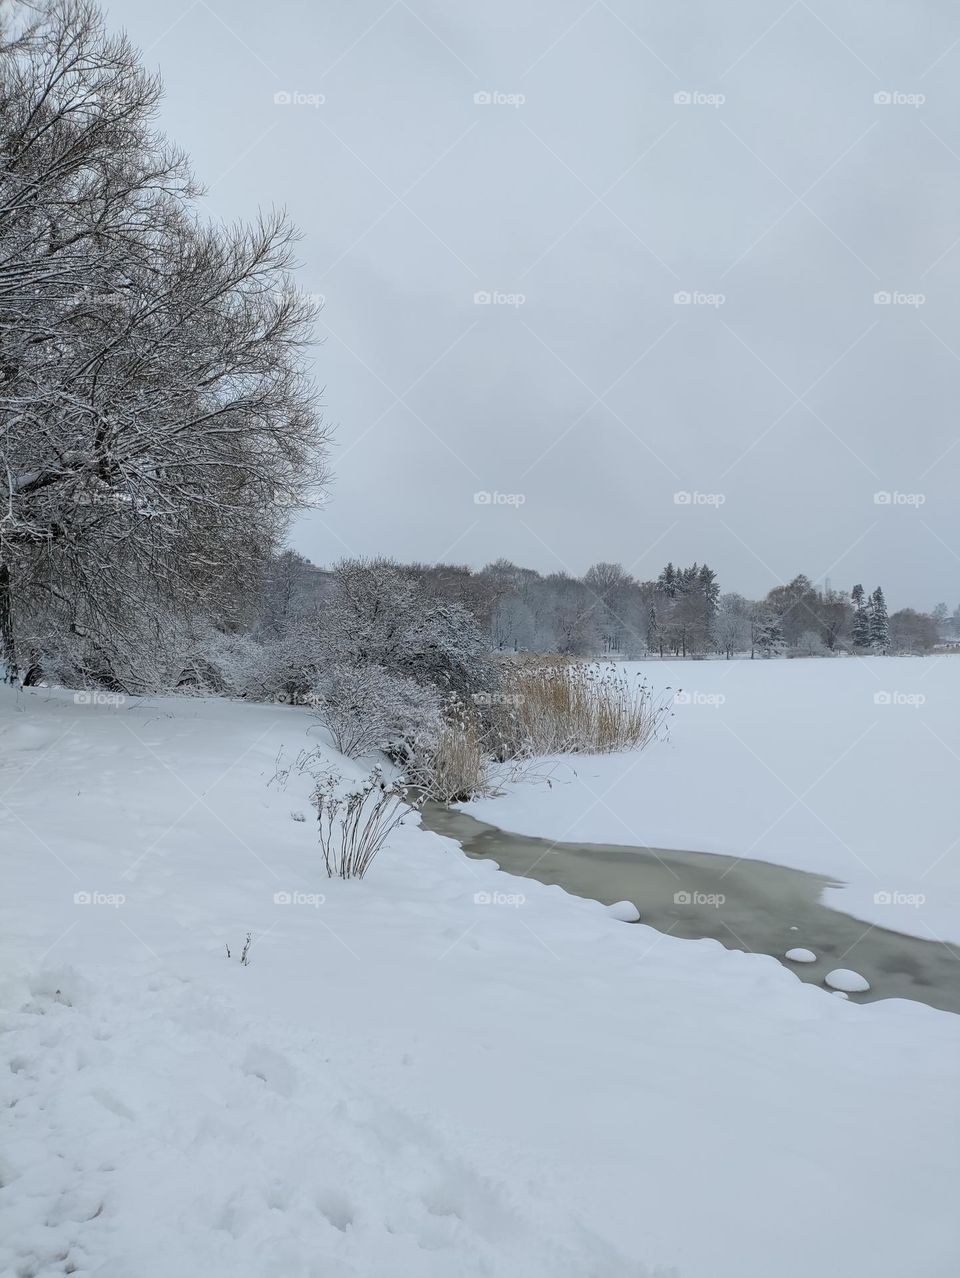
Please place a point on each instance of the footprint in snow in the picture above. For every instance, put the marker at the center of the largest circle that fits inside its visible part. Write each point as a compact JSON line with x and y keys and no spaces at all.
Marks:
{"x":271,"y":1068}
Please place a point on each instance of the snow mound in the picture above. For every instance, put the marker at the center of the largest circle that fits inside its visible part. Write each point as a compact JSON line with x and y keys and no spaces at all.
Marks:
{"x":801,"y":956}
{"x":843,"y":979}
{"x":626,"y":911}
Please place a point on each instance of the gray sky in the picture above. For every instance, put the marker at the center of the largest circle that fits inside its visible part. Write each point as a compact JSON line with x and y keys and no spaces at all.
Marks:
{"x":781,"y":198}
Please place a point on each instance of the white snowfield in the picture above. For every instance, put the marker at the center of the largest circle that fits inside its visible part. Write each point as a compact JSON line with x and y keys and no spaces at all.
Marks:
{"x":406,"y":1082}
{"x":849,"y":767}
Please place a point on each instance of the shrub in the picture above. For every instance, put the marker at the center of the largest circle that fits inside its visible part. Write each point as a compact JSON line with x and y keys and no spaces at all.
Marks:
{"x":809,"y":644}
{"x":366,"y":708}
{"x":231,"y":664}
{"x":238,"y":665}
{"x":353,"y":826}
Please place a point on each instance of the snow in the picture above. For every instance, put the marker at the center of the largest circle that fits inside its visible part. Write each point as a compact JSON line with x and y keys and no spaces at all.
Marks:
{"x":402,"y":1082}
{"x":846,"y":767}
{"x":801,"y":956}
{"x":625,"y":911}
{"x":846,"y":981}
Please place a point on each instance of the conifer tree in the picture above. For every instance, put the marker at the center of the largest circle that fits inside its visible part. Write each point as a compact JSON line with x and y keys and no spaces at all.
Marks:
{"x":861,"y":618}
{"x":879,"y":627}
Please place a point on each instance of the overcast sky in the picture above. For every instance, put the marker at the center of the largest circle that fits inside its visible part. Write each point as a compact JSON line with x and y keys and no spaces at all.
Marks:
{"x":779,"y":165}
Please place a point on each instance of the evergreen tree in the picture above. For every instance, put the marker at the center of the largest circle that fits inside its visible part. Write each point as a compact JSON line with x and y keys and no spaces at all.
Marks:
{"x":668,"y":581}
{"x":709,"y":586}
{"x":879,"y":627}
{"x":861,"y":618}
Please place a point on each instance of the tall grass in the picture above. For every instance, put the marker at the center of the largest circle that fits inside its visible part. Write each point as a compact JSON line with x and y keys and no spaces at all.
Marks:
{"x":455,"y":767}
{"x":572,"y":707}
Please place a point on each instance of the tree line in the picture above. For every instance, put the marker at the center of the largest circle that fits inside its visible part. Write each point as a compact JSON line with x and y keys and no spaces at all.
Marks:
{"x":680,"y":613}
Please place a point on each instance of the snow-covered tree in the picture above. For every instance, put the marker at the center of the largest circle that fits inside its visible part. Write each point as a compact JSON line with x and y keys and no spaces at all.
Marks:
{"x":879,"y":626}
{"x":833,"y":613}
{"x":667,"y":581}
{"x":912,"y":632}
{"x":377,"y":615}
{"x":613,"y":591}
{"x":654,"y":631}
{"x":861,"y":618}
{"x":766,"y":636}
{"x":731,"y":627}
{"x":796,"y":605}
{"x":573,"y":615}
{"x":941,"y":619}
{"x":512,"y":625}
{"x":157,"y":423}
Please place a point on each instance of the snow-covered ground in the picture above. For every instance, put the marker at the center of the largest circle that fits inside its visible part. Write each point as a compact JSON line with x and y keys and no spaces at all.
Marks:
{"x":846,"y":767}
{"x":421,"y":1075}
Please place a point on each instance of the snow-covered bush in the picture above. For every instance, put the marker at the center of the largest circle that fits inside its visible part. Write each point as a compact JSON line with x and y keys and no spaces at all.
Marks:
{"x":240,"y":665}
{"x":229,"y":664}
{"x":379,"y":616}
{"x":367,"y":708}
{"x":141,"y":651}
{"x":809,"y":644}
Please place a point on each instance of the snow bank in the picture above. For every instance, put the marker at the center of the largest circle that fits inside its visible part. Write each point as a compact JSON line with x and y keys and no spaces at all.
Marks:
{"x":442,"y":1070}
{"x":845,"y":767}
